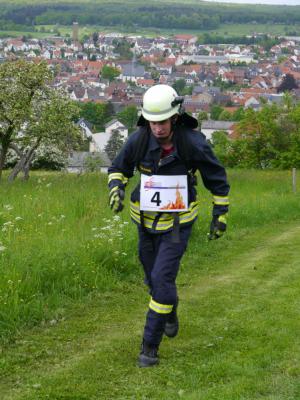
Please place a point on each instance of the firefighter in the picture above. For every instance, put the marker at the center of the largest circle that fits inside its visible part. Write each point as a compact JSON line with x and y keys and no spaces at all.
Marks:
{"x":167,"y":150}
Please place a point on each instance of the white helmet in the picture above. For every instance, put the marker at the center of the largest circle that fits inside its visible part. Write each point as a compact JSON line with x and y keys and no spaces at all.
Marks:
{"x":160,"y":102}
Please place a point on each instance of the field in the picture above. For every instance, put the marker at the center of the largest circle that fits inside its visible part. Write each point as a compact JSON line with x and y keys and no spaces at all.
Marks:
{"x":235,"y":21}
{"x":226,"y":30}
{"x":72,"y":304}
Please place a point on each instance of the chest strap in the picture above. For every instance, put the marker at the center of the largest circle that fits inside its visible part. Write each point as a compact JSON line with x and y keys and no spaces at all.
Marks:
{"x":176,"y":230}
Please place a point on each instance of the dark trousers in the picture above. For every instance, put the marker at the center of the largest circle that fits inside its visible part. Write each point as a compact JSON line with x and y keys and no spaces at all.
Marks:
{"x":160,"y":258}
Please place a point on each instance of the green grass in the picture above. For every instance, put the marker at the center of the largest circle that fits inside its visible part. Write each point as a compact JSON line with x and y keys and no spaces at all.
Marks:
{"x":239,"y":309}
{"x":223,"y":30}
{"x":226,"y":30}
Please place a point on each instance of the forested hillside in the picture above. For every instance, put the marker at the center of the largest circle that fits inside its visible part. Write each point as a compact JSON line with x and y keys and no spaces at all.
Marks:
{"x":159,"y":14}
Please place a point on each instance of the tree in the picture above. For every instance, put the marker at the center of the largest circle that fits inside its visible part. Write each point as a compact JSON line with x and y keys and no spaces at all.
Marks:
{"x":50,"y":123}
{"x":288,"y":83}
{"x":179,"y":86}
{"x":109,"y":72}
{"x":202,"y":116}
{"x":129,"y":116}
{"x":225,"y":116}
{"x":221,"y":145}
{"x":98,"y":114}
{"x":262,"y":135}
{"x":114,"y":144}
{"x":32,"y":113}
{"x":95,"y":37}
{"x":238,"y":114}
{"x":93,"y":163}
{"x":215,"y":112}
{"x":19,"y":83}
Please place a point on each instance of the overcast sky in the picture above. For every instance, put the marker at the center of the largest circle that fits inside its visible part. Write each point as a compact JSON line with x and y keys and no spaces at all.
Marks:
{"x":277,"y":2}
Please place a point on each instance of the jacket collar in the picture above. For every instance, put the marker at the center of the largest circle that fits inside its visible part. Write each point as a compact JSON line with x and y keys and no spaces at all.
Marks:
{"x":153,"y":143}
{"x":155,"y":146}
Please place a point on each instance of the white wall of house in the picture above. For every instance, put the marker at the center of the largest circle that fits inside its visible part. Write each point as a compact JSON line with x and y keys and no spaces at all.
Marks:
{"x":116,"y":125}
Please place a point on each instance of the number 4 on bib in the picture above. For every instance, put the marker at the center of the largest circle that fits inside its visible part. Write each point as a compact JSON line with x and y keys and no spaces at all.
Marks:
{"x":162,"y":193}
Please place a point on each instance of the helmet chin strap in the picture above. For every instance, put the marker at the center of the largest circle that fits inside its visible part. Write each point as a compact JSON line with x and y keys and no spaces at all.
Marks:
{"x":169,"y":137}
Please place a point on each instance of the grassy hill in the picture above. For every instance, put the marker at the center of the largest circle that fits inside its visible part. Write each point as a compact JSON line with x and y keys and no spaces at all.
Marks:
{"x":134,"y":16}
{"x":72,"y":303}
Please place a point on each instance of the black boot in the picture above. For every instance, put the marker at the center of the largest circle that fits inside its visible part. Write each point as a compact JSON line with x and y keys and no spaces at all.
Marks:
{"x":172,"y":324}
{"x":148,"y":356}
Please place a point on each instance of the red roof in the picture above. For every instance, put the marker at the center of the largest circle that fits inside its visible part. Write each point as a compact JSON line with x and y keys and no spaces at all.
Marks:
{"x":146,"y":82}
{"x":184,"y":37}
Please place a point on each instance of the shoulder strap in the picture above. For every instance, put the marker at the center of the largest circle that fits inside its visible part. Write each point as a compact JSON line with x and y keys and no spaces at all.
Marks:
{"x":141,"y":145}
{"x":184,"y":147}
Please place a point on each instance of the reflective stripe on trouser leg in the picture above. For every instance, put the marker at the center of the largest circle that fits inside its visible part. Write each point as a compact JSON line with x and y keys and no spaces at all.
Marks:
{"x":156,"y":320}
{"x":160,"y":308}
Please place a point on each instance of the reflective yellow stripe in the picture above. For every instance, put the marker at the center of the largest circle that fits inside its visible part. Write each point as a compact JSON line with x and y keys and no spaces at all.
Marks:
{"x":221,"y":200}
{"x":166,"y":220}
{"x":114,"y":189}
{"x":160,"y":308}
{"x":118,"y":176}
{"x":223,"y":218}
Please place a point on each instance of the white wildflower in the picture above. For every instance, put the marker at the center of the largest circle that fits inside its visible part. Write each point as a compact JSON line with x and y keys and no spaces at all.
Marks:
{"x":2,"y":248}
{"x":18,"y":218}
{"x":116,"y":218}
{"x":106,"y":228}
{"x":8,"y":207}
{"x":94,"y":229}
{"x":8,"y":223}
{"x":124,"y":254}
{"x":48,"y":184}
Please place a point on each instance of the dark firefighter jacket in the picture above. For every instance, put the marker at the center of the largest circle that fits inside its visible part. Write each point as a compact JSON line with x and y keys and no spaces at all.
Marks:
{"x":201,"y":158}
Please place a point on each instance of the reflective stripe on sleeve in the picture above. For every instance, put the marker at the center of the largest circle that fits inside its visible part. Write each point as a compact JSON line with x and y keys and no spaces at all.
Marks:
{"x":160,"y":308}
{"x":117,"y":176}
{"x":221,"y":200}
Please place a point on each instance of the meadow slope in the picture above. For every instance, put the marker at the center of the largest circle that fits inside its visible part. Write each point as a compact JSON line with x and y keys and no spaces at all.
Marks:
{"x":239,"y":309}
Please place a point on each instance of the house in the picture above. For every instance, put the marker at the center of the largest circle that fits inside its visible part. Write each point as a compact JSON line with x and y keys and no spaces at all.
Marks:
{"x":99,"y":140}
{"x":47,"y":54}
{"x":145,"y":83}
{"x":253,"y":103}
{"x":86,"y":127}
{"x":210,"y":126}
{"x":132,"y":72}
{"x":16,"y":45}
{"x":78,"y":161}
{"x":185,"y":39}
{"x":116,"y":125}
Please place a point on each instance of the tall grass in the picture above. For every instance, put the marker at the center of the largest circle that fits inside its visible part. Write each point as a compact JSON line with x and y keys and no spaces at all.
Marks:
{"x":60,"y":243}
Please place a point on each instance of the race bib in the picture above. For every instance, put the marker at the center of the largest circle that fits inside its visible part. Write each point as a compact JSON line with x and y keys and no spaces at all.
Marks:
{"x":164,"y":193}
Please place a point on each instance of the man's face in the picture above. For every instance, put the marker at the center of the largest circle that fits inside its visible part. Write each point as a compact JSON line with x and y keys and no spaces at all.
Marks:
{"x":162,"y":130}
